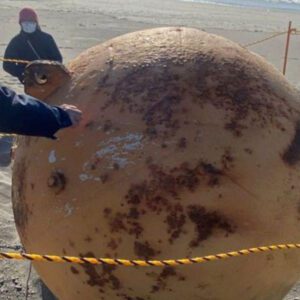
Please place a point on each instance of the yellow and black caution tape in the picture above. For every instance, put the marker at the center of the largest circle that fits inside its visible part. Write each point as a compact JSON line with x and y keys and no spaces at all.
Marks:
{"x":12,"y":60}
{"x":144,"y":263}
{"x":265,"y":39}
{"x":7,"y":134}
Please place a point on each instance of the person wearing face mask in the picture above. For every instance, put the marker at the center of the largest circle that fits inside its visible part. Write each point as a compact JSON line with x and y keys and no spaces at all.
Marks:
{"x":30,"y":44}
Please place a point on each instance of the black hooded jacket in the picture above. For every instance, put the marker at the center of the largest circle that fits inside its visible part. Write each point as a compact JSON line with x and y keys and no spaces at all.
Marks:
{"x":25,"y":115}
{"x":30,"y":46}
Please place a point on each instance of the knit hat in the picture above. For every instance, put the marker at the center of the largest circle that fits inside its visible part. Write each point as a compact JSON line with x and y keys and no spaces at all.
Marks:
{"x":28,"y":14}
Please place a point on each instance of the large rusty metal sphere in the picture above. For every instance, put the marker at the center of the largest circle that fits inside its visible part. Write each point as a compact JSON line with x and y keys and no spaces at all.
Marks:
{"x":190,"y":145}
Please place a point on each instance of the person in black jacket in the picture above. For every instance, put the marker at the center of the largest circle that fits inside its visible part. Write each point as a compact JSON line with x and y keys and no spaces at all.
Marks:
{"x":25,"y":115}
{"x":30,"y":44}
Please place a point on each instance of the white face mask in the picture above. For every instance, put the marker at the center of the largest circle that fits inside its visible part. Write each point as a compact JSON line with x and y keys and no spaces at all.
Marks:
{"x":29,"y":27}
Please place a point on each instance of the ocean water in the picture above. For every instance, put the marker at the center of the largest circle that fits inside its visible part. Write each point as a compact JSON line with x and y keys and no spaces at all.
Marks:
{"x":262,"y":4}
{"x":98,"y":4}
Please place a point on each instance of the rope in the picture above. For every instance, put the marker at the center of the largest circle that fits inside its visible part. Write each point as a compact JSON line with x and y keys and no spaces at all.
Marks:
{"x":7,"y":134}
{"x":144,"y":263}
{"x":294,"y":31}
{"x":17,"y":61}
{"x":27,"y":281}
{"x":265,"y":39}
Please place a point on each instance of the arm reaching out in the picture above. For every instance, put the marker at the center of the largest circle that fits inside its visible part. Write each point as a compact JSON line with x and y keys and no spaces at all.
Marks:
{"x":25,"y":115}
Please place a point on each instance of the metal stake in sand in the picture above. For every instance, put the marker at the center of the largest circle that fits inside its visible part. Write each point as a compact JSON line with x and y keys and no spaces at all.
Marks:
{"x":289,"y":32}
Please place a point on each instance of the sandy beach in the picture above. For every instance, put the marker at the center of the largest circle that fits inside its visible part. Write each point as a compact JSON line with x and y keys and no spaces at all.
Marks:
{"x":77,"y":26}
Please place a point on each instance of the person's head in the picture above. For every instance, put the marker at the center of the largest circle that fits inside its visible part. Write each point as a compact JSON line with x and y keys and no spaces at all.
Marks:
{"x":28,"y":20}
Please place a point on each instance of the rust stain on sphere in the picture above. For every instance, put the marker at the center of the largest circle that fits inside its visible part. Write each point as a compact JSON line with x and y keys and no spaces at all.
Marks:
{"x":189,"y":146}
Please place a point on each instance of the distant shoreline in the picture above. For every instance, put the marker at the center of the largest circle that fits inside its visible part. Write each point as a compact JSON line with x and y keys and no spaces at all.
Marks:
{"x":258,"y":4}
